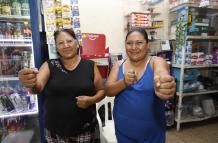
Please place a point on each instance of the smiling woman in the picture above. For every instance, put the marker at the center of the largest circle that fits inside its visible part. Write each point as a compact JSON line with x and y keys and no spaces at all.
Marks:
{"x":141,"y":84}
{"x":71,"y":87}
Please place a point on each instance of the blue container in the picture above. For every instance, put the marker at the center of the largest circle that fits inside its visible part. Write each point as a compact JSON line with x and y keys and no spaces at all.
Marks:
{"x":189,"y":74}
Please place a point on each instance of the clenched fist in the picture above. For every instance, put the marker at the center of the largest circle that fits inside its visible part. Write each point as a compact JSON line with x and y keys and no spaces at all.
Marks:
{"x":164,"y":86}
{"x":130,"y":77}
{"x":28,"y":77}
{"x":84,"y":101}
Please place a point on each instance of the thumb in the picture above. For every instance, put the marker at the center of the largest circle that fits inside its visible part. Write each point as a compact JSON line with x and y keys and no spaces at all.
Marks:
{"x":157,"y":81}
{"x":79,"y":97}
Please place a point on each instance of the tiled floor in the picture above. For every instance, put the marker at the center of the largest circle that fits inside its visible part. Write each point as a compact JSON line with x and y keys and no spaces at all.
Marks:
{"x":198,"y":132}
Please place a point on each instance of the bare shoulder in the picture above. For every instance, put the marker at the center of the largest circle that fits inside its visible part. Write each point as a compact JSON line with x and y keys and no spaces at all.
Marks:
{"x":159,"y":65}
{"x":118,"y":63}
{"x":157,"y":59}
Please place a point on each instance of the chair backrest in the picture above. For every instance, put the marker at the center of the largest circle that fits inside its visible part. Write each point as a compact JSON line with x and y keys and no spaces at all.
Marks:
{"x":108,"y":103}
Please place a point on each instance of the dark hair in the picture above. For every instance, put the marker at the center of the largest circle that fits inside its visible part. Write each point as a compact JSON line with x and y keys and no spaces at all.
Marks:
{"x":69,"y":31}
{"x":140,"y":30}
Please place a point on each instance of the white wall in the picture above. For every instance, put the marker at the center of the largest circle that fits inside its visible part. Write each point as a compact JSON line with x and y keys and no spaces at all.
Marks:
{"x":107,"y":17}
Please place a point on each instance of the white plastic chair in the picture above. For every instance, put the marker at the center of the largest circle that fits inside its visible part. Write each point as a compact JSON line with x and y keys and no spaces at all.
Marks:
{"x":107,"y":132}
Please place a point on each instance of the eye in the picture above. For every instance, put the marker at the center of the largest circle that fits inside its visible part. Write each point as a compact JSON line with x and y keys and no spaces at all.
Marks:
{"x":139,"y":43}
{"x":69,"y":41}
{"x":61,"y":43}
{"x":129,"y":43}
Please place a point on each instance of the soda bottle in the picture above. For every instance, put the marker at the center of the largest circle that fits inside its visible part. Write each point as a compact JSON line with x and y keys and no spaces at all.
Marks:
{"x":1,"y":31}
{"x":25,"y":8}
{"x":1,"y":3}
{"x":27,"y":33}
{"x":18,"y":31}
{"x":9,"y":30}
{"x":6,"y":8}
{"x":16,"y":7}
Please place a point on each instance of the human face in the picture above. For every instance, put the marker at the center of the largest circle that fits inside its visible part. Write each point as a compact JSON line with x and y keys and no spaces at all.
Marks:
{"x":136,"y":46}
{"x":66,"y":45}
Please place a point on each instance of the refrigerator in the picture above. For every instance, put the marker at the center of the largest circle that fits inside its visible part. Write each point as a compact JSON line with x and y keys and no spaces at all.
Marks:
{"x":20,"y":47}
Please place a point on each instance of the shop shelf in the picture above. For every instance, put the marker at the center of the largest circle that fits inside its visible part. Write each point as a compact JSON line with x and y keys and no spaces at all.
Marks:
{"x":196,"y":119}
{"x":6,"y":115}
{"x":195,"y":66}
{"x":202,"y":37}
{"x":199,"y":92}
{"x":13,"y":17}
{"x":8,"y":78}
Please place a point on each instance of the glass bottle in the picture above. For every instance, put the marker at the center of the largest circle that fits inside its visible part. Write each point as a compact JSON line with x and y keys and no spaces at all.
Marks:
{"x":25,"y":8}
{"x":16,"y":7}
{"x":1,"y":3}
{"x":1,"y":31}
{"x":6,"y":7}
{"x":27,"y":33}
{"x":9,"y":30}
{"x":18,"y":31}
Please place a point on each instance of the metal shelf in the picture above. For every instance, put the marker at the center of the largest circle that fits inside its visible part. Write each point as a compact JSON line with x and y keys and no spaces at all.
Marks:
{"x":199,"y":92}
{"x":210,"y":7}
{"x":195,"y":119}
{"x":195,"y":66}
{"x":16,"y":42}
{"x":16,"y":45}
{"x":8,"y":78}
{"x":14,"y":17}
{"x":29,"y":40}
{"x":19,"y":114}
{"x":175,"y":8}
{"x":202,"y":37}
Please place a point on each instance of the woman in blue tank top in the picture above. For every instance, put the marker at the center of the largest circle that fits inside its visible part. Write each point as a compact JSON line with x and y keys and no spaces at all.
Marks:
{"x":140,"y":84}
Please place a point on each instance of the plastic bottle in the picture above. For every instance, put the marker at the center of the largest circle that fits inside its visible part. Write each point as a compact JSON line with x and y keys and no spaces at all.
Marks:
{"x":18,"y":30}
{"x":1,"y":3}
{"x":16,"y":7}
{"x":1,"y":31}
{"x":25,"y":8}
{"x":27,"y":33}
{"x":6,"y":7}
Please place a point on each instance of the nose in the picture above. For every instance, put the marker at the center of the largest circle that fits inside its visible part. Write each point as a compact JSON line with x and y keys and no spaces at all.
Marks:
{"x":134,"y":46}
{"x":66,"y":44}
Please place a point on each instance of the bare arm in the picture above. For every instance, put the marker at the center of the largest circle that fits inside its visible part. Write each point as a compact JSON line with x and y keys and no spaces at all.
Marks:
{"x":98,"y":86}
{"x":160,"y":66}
{"x":35,"y":80}
{"x":164,"y":83}
{"x":42,"y":77}
{"x":113,"y":85}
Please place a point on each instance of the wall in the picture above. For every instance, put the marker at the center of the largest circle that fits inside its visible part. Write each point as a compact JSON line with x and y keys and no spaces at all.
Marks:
{"x":107,"y":17}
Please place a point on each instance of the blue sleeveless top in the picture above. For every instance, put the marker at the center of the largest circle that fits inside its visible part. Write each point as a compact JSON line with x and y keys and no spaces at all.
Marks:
{"x":138,"y":112}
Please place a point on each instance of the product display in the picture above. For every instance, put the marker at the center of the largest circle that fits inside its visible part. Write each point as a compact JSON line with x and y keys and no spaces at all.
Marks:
{"x":195,"y":55}
{"x":18,"y":108}
{"x":60,"y":14}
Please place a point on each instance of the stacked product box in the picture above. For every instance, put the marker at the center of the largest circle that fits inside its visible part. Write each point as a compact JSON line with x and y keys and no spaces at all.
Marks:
{"x":138,"y":19}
